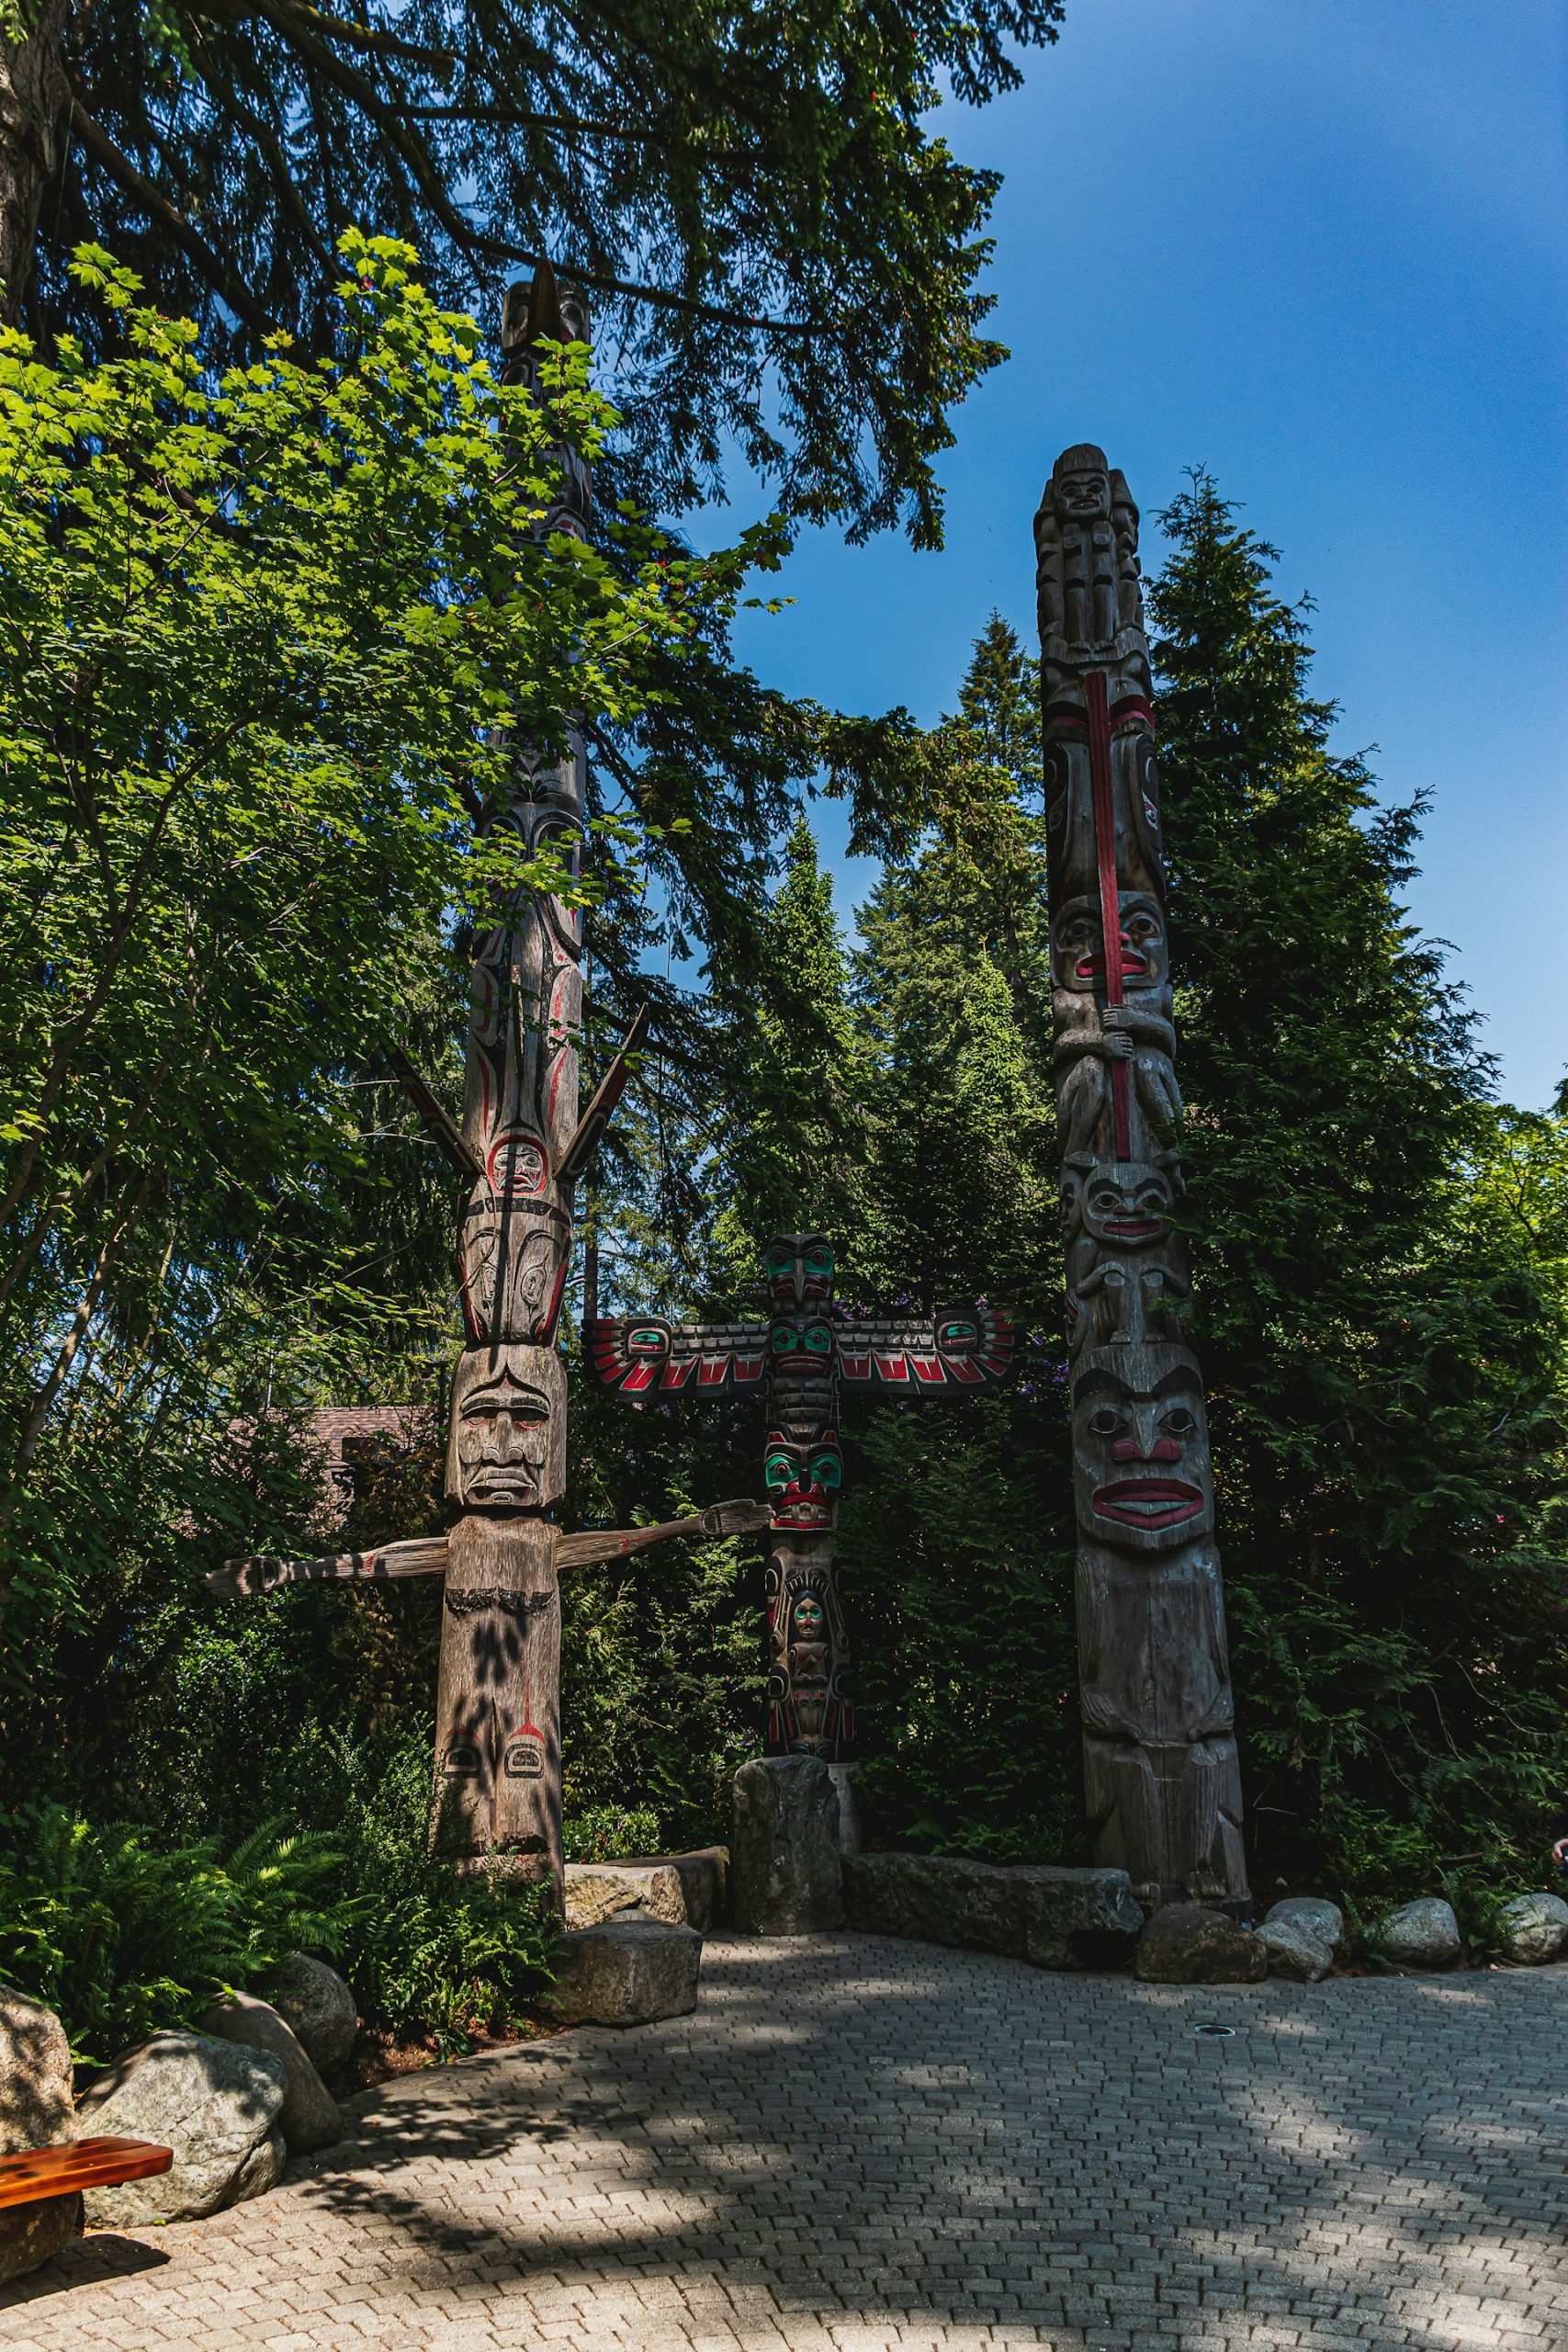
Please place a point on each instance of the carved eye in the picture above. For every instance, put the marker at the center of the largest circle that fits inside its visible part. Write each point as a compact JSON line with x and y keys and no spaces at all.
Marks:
{"x":777,"y":1471}
{"x":1106,"y":1421}
{"x":781,"y":1261}
{"x":818,"y":1339}
{"x":785,"y":1338}
{"x":828,"y":1469}
{"x":819,"y":1260}
{"x":1178,"y":1421}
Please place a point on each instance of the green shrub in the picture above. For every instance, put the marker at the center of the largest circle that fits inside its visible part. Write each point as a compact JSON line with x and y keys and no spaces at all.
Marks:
{"x":611,"y":1833}
{"x":120,"y":1938}
{"x":425,"y":1945}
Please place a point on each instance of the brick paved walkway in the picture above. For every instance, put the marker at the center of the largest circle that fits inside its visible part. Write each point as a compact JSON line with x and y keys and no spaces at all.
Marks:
{"x":858,"y":2144}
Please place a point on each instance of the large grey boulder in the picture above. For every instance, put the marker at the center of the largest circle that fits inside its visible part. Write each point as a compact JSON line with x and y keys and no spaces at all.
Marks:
{"x":1534,"y":1929}
{"x":1321,"y":1918}
{"x":1294,"y":1951}
{"x":1057,"y":1918}
{"x":214,"y":2103}
{"x":309,"y":2117}
{"x":703,"y":1874}
{"x":1418,"y":1936}
{"x":785,"y":1871}
{"x":318,"y":2006}
{"x":35,"y":2112}
{"x":598,"y":1891}
{"x":1186,"y":1943}
{"x":628,"y":1971}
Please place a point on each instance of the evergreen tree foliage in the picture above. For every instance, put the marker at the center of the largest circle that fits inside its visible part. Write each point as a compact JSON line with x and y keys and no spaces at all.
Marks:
{"x":955,"y":1532}
{"x":1384,"y":1349}
{"x":782,"y":253}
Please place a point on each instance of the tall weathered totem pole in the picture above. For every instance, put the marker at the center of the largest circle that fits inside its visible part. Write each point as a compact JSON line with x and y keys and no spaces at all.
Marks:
{"x":803,"y":1358}
{"x":522,"y":1148}
{"x":1161,"y":1776}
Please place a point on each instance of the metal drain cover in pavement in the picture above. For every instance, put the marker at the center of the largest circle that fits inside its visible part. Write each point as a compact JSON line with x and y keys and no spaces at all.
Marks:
{"x":1214,"y":2032}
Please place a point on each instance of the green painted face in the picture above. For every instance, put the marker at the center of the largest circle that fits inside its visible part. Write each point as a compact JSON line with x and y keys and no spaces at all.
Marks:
{"x":808,"y":1347}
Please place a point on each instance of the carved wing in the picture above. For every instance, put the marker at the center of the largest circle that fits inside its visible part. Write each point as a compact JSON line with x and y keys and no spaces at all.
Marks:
{"x":642,"y":1355}
{"x":969,"y":1347}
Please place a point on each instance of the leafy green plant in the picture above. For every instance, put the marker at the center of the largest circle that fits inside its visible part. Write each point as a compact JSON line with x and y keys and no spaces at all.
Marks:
{"x":426,"y":1945}
{"x":608,"y":1833}
{"x":120,"y":1938}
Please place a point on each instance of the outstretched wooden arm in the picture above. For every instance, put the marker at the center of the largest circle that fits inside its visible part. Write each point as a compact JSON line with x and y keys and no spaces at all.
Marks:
{"x":422,"y":1556}
{"x":616,"y":1543}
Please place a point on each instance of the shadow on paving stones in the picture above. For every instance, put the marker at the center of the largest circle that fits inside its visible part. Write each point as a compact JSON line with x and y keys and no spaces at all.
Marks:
{"x":848,"y":2125}
{"x":863,"y":2125}
{"x":101,"y":2254}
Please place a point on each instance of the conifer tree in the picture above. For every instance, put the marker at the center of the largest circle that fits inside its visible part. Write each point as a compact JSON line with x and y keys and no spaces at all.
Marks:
{"x":781,"y":252}
{"x":1383,"y":1358}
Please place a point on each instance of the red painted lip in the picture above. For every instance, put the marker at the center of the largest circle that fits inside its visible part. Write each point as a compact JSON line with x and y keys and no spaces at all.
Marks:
{"x":1149,"y":1502}
{"x":1132,"y":967}
{"x":1132,"y":1229}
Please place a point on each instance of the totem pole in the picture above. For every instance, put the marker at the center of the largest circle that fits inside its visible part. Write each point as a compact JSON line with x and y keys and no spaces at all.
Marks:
{"x":801,"y":1358}
{"x":522,"y":1148}
{"x":1161,"y":1778}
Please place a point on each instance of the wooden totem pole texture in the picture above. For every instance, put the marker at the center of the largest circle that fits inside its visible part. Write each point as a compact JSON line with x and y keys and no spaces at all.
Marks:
{"x":803,"y":1359}
{"x":1161,"y":1776}
{"x":522,"y":1148}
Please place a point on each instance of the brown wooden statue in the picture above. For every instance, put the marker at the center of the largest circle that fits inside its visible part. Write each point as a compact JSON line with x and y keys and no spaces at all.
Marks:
{"x":1161,"y":1776}
{"x":522,"y":1147}
{"x":804,"y":1359}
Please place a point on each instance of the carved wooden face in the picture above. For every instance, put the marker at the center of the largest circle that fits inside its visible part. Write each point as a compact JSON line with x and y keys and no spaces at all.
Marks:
{"x":1140,"y":1473}
{"x":1083,"y":493}
{"x":799,"y":1268}
{"x":506,"y":1443}
{"x":802,"y":1481}
{"x":1123,"y":1206}
{"x":1077,"y":947}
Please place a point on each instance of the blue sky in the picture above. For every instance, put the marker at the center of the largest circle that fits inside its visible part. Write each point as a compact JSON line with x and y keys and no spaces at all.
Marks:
{"x":1319,"y":247}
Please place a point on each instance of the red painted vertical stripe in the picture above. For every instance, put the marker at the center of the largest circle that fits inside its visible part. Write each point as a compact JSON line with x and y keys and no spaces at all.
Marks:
{"x":1109,"y":904}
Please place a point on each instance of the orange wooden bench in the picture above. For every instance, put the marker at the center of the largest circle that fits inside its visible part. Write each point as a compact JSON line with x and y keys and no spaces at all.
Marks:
{"x":82,"y":2164}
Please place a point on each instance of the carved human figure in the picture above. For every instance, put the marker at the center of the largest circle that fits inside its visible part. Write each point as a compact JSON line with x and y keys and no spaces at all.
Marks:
{"x":1126,"y":1268}
{"x":810,"y":1711}
{"x":1090,"y":599}
{"x":1090,"y":1034}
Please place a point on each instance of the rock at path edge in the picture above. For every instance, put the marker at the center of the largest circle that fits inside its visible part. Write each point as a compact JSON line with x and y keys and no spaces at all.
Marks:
{"x":35,"y":2112}
{"x":785,"y":1870}
{"x":1321,"y":1919}
{"x":627,"y":1971}
{"x":307,"y":2119}
{"x":1294,"y":1951}
{"x":703,"y":1877}
{"x":1052,"y":1917}
{"x":1418,"y":1936}
{"x":1186,"y":1943}
{"x":1534,"y":1929}
{"x":318,"y":2008}
{"x":214,"y":2103}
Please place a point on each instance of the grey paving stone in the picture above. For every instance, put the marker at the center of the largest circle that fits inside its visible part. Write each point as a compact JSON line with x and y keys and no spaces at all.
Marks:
{"x":858,"y":2145}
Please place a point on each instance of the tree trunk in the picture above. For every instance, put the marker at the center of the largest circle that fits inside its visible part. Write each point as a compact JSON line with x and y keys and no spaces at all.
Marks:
{"x":35,"y":110}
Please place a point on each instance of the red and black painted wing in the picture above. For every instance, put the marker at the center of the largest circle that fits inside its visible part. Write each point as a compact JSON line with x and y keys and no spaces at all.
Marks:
{"x":643,"y":1355}
{"x":964,"y":1348}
